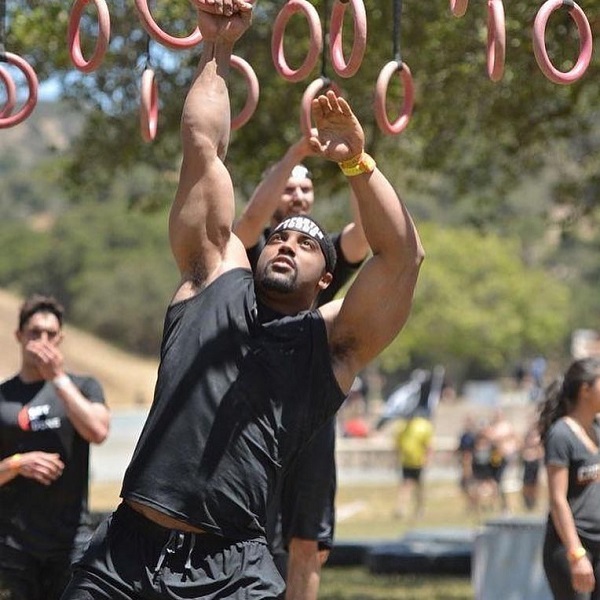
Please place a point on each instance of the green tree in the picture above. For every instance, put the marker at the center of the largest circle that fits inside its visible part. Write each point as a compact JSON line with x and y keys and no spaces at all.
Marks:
{"x":478,"y":308}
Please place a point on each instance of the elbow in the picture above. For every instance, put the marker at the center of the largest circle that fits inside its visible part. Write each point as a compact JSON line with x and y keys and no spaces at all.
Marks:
{"x":99,"y":433}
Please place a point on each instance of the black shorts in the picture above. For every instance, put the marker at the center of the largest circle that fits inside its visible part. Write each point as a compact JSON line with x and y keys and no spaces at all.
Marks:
{"x":304,"y":503}
{"x":131,"y":557}
{"x":412,"y":473}
{"x":531,"y":470}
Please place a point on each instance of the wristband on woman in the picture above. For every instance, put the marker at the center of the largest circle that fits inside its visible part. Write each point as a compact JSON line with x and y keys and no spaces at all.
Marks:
{"x":576,"y":554}
{"x":361,"y":163}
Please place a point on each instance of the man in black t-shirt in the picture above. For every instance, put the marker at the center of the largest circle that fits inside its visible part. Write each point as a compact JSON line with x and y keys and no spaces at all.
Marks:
{"x":302,"y":515}
{"x":248,"y":372}
{"x":47,"y":421}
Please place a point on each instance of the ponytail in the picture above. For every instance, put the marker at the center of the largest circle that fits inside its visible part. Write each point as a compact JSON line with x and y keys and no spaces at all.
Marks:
{"x":563,"y":393}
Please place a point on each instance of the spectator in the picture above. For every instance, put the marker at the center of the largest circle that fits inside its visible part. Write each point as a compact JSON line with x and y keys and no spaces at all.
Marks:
{"x":48,"y":419}
{"x":465,"y":450}
{"x":532,"y":455}
{"x":505,"y":447}
{"x":570,"y":432}
{"x":413,"y":442}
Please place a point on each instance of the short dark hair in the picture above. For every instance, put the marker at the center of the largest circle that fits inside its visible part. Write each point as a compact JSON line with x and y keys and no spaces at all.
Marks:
{"x":38,"y":303}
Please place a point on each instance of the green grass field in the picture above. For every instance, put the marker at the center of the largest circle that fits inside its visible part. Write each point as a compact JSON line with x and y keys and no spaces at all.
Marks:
{"x":366,"y":512}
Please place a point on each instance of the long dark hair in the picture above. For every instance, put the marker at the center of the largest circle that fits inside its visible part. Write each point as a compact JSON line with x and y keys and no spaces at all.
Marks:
{"x":561,"y":395}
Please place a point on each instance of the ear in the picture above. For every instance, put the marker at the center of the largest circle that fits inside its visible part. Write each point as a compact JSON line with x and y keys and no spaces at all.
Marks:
{"x":18,"y":335}
{"x":325,"y":280}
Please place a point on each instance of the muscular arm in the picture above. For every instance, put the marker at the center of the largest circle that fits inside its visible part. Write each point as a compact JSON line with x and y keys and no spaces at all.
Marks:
{"x":379,"y":300}
{"x":267,"y":195}
{"x":202,"y":214}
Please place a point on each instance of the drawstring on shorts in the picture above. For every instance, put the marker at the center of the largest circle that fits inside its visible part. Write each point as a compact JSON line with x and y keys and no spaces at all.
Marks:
{"x":174,"y":543}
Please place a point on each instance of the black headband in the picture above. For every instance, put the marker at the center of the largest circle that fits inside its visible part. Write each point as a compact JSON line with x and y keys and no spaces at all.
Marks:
{"x":311,"y":228}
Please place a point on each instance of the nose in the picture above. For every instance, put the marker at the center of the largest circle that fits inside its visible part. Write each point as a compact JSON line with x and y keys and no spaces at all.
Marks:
{"x":298,"y":193}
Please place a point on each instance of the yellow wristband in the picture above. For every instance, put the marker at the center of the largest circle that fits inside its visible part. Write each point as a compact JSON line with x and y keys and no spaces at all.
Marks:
{"x":15,"y":462}
{"x":362,"y":163}
{"x":576,"y":554}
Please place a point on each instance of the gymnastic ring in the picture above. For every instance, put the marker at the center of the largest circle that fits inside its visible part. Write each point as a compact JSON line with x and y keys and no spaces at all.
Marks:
{"x":383,"y":81}
{"x":253,"y":92}
{"x":152,"y":28}
{"x":32,"y":83}
{"x":459,"y":7}
{"x":360,"y":37}
{"x":309,"y":95}
{"x":539,"y":42}
{"x":496,"y":40}
{"x":316,"y":40}
{"x":11,"y":93}
{"x":87,"y":66}
{"x":149,"y":106}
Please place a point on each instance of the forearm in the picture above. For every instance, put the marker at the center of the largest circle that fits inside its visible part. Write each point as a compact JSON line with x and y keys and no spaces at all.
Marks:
{"x":353,"y":241}
{"x":266,"y":197}
{"x":9,"y":468}
{"x":389,"y":229}
{"x":205,"y":121}
{"x":563,"y":521}
{"x":90,"y":419}
{"x":304,"y":570}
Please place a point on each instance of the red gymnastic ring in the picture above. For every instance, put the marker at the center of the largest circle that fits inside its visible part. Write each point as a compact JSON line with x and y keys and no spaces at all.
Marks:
{"x":459,"y":7}
{"x":313,"y":88}
{"x":152,"y":28}
{"x":11,"y":93}
{"x":32,"y":83}
{"x":253,"y":92}
{"x":103,"y":35}
{"x":149,"y":106}
{"x":316,"y":40}
{"x":496,"y":41}
{"x":539,"y":42}
{"x":381,"y":88}
{"x":360,"y":37}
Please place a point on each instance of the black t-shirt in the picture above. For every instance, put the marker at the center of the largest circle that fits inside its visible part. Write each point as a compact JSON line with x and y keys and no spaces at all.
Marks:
{"x":35,"y":517}
{"x":565,"y":449}
{"x":237,"y":396}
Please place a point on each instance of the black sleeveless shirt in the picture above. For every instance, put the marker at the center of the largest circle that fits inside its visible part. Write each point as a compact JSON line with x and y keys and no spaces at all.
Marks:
{"x":236,"y":397}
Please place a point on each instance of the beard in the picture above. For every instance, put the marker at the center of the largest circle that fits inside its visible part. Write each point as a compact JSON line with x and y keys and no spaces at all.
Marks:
{"x":283,"y":283}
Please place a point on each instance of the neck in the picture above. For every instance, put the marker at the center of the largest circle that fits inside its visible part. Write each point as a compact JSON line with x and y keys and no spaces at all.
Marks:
{"x":284,"y":304}
{"x":29,"y":374}
{"x":584,"y":416}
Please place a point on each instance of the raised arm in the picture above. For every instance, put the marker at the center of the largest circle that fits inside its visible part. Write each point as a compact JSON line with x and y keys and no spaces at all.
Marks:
{"x":267,"y":196}
{"x":353,"y":240}
{"x":202,"y":214}
{"x":378,"y":303}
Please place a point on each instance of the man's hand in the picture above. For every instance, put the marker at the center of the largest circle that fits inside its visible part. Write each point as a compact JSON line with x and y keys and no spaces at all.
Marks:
{"x":43,"y":467}
{"x":48,"y":358}
{"x":339,"y":136}
{"x":223,"y":20}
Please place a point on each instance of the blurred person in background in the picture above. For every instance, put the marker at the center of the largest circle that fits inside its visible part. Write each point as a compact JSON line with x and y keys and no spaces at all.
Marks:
{"x":570,"y":432}
{"x":413,"y":443}
{"x":48,"y":419}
